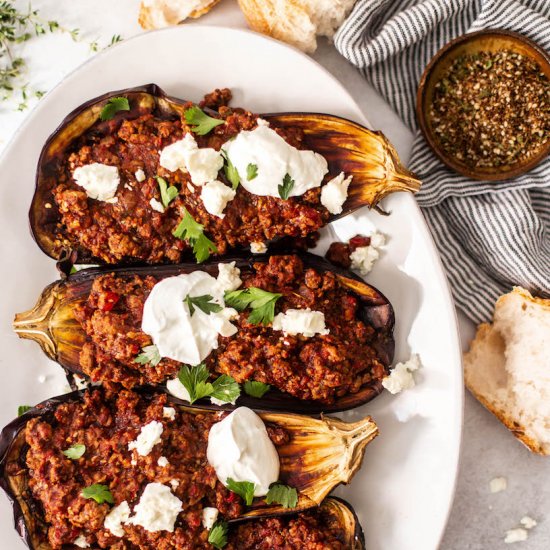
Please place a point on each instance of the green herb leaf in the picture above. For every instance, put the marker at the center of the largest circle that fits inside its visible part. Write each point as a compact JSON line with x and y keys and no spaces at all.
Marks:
{"x":194,"y":379}
{"x":256,"y":389}
{"x":204,"y":303}
{"x":245,"y":489}
{"x":200,"y":122}
{"x":150,"y":354}
{"x":218,"y":534}
{"x":167,"y":194}
{"x":225,"y":389}
{"x":22,"y":409}
{"x":251,"y":171}
{"x":100,"y":493}
{"x":113,"y":106}
{"x":192,"y":232}
{"x":230,"y":171}
{"x":260,"y":301}
{"x":286,"y":188}
{"x":75,"y":451}
{"x":282,"y":494}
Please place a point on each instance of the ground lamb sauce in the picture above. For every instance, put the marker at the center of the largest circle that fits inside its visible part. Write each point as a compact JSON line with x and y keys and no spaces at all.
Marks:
{"x":131,"y":230}
{"x":320,"y":368}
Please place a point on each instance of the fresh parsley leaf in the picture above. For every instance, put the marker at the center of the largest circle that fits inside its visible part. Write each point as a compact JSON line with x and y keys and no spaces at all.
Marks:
{"x":150,"y":354}
{"x":192,"y":232}
{"x":256,"y":389}
{"x":218,"y":534}
{"x":282,"y":494}
{"x":75,"y":451}
{"x":286,"y":188}
{"x":73,"y":270}
{"x":200,"y":122}
{"x":100,"y":493}
{"x":251,"y":171}
{"x":167,"y":193}
{"x":225,"y":389}
{"x":22,"y":409}
{"x":260,"y":301}
{"x":204,"y":303}
{"x":194,"y":379}
{"x":230,"y":171}
{"x":245,"y":489}
{"x":113,"y":106}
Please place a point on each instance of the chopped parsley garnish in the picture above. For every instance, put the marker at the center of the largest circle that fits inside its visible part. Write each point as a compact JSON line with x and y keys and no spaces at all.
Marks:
{"x":251,"y":171}
{"x":195,"y":381}
{"x":286,"y":188}
{"x":230,"y":171}
{"x":167,"y":193}
{"x":200,"y":122}
{"x":245,"y":489}
{"x":100,"y":493}
{"x":261,"y":302}
{"x":192,"y":232}
{"x":204,"y":303}
{"x":75,"y":451}
{"x":217,"y":536}
{"x":22,"y":409}
{"x":113,"y":106}
{"x":149,"y":354}
{"x":256,"y":389}
{"x":281,"y":494}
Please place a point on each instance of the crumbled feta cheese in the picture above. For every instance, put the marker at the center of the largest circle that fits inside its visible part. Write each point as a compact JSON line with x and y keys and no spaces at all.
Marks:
{"x":174,"y":483}
{"x":203,"y":164}
{"x":401,"y":377}
{"x":177,"y":389}
{"x":528,"y":522}
{"x":301,"y":321}
{"x":498,"y":484}
{"x":515,"y":535}
{"x":156,"y":205}
{"x":80,"y":382}
{"x":116,"y":517}
{"x":229,"y":276}
{"x":169,"y":412}
{"x":258,"y":248}
{"x":98,"y":180}
{"x":148,"y":437}
{"x":157,"y":509}
{"x":81,"y":542}
{"x":163,"y":462}
{"x":335,"y":192}
{"x":363,"y":257}
{"x":209,"y":517}
{"x":140,"y":175}
{"x":215,"y":195}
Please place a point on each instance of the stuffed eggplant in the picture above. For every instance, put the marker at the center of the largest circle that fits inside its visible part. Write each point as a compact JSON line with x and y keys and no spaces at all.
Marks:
{"x":137,"y":176}
{"x":317,"y":337}
{"x":136,"y":470}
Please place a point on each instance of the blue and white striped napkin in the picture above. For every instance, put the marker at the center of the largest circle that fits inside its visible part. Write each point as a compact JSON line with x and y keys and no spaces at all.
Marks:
{"x":491,"y":236}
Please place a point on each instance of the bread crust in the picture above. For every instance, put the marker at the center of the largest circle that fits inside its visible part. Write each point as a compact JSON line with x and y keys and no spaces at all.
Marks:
{"x":149,"y":15}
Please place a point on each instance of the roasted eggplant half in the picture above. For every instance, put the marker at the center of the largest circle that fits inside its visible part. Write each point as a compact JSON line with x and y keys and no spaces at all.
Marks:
{"x":91,"y":324}
{"x":52,"y":453}
{"x":139,"y":220}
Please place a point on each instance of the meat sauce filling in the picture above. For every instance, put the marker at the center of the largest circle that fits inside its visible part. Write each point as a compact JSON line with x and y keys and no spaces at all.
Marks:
{"x":320,"y":367}
{"x":130,"y":229}
{"x":106,"y":423}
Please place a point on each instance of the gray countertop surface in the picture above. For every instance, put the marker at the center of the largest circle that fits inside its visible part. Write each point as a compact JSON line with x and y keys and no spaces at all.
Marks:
{"x":479,"y":519}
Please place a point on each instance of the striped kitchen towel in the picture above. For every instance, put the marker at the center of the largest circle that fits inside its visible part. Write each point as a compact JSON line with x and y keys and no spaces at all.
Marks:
{"x":491,"y":236}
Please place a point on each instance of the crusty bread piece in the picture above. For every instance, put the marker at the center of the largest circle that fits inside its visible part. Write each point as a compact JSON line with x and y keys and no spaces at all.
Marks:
{"x":296,"y":21}
{"x":508,"y":367}
{"x":155,"y":14}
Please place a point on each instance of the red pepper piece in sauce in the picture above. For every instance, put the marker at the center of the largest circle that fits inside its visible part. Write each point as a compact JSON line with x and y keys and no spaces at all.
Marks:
{"x":358,"y":241}
{"x":110,"y":300}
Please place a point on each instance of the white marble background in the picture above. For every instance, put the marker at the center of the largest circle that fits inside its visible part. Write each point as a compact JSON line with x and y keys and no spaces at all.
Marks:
{"x":478,"y":519}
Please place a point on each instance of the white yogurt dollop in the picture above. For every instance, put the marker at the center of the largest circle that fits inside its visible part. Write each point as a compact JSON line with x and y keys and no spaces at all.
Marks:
{"x":177,"y":334}
{"x":274,"y":158}
{"x":239,"y":448}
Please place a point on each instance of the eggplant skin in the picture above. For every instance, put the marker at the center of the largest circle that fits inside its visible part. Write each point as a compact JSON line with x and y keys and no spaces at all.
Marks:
{"x":52,"y":324}
{"x":28,"y":515}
